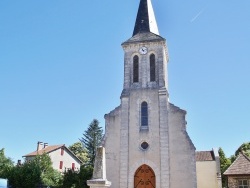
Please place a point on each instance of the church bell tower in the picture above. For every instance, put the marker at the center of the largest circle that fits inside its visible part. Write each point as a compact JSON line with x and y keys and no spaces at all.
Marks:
{"x":146,"y":53}
{"x":146,"y":143}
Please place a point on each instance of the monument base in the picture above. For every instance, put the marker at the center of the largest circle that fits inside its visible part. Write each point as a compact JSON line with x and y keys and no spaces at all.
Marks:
{"x":98,"y":183}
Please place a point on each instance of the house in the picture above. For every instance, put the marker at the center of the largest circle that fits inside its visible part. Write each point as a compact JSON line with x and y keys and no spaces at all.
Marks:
{"x":62,"y":158}
{"x":208,"y":169}
{"x":238,"y":173}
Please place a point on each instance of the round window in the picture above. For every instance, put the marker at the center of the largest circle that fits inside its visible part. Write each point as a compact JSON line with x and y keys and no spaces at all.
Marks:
{"x":144,"y":145}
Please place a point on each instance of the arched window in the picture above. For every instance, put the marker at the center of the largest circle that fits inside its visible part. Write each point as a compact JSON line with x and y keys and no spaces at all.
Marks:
{"x":136,"y":69}
{"x":152,"y":67}
{"x":144,"y":114}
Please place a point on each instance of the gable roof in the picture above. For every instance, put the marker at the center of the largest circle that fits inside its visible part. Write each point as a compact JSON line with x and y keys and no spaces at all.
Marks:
{"x":47,"y":150}
{"x":204,"y":156}
{"x":50,"y":149}
{"x":240,"y":166}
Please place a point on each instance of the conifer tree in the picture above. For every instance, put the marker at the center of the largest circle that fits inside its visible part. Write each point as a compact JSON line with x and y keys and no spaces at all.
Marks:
{"x":91,"y":139}
{"x":224,"y":164}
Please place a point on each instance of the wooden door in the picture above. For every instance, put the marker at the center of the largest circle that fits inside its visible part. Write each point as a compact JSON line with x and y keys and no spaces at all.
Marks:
{"x":144,"y":177}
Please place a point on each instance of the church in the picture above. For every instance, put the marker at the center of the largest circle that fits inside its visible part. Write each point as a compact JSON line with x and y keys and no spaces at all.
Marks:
{"x":146,"y":144}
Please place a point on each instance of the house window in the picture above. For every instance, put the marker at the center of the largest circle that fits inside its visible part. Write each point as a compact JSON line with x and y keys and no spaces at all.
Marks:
{"x":243,"y":183}
{"x":136,"y":69}
{"x":152,"y":67}
{"x":73,"y":166}
{"x":61,"y":165}
{"x":144,"y":114}
{"x":62,"y":151}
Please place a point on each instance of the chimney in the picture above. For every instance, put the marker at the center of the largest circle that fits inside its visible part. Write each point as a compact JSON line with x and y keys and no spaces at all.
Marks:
{"x":19,"y":163}
{"x":45,"y":145}
{"x":39,"y":145}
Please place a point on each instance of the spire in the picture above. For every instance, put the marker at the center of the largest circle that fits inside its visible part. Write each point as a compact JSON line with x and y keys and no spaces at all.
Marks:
{"x":145,"y":20}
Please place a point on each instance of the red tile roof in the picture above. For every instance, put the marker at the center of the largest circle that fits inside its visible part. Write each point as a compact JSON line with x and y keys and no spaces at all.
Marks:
{"x":47,"y":149}
{"x":204,"y":156}
{"x":240,"y":166}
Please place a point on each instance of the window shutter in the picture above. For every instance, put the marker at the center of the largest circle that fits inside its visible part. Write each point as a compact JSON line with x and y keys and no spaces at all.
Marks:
{"x":61,"y":165}
{"x":62,"y":151}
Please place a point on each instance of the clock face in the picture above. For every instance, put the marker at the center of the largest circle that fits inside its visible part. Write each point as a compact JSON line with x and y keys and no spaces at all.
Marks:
{"x":143,"y":50}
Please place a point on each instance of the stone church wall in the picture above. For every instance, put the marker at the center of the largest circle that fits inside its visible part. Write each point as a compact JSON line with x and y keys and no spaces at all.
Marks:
{"x":112,"y":139}
{"x":137,"y":135}
{"x":182,"y":151}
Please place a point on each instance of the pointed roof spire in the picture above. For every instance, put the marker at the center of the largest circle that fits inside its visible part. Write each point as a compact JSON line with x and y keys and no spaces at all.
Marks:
{"x":145,"y":20}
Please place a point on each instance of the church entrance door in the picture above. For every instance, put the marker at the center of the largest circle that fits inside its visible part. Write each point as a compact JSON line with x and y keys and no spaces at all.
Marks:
{"x":144,"y":177}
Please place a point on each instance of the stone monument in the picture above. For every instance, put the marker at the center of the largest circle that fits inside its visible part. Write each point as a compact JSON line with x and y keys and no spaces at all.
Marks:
{"x":99,"y":179}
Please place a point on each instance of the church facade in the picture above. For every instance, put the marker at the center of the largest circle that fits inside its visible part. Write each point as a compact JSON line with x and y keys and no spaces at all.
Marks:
{"x":146,"y":143}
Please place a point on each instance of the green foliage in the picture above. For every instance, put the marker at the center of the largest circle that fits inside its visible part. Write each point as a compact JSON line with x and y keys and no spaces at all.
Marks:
{"x":224,"y":161}
{"x":81,"y":152}
{"x":25,"y":176}
{"x":39,"y":171}
{"x":85,"y":174}
{"x":84,"y":150}
{"x":36,"y":172}
{"x":77,"y":179}
{"x":52,"y":178}
{"x":5,"y":164}
{"x":70,"y":179}
{"x":48,"y":175}
{"x":224,"y":164}
{"x":91,"y":139}
{"x":232,"y":158}
{"x":244,"y":148}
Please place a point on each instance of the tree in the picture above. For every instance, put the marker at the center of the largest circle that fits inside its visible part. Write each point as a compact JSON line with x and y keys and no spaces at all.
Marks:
{"x":84,"y":175}
{"x":25,"y":176}
{"x":91,"y":139}
{"x":5,"y":164}
{"x":52,"y":178}
{"x":244,"y":148}
{"x":31,"y":174}
{"x":48,"y":175}
{"x":70,"y":179}
{"x":81,"y":152}
{"x":77,"y":179}
{"x":224,"y":164}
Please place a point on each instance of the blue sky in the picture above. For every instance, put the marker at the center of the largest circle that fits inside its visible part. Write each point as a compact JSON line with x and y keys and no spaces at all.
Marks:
{"x":61,"y":65}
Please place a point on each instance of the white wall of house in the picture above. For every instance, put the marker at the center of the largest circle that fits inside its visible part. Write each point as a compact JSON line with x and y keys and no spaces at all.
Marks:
{"x":61,"y":161}
{"x":66,"y":158}
{"x":206,"y":174}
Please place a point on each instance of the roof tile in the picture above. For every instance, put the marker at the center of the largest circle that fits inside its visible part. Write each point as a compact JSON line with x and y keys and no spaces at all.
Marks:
{"x":204,"y":156}
{"x":240,"y":166}
{"x":48,"y":149}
